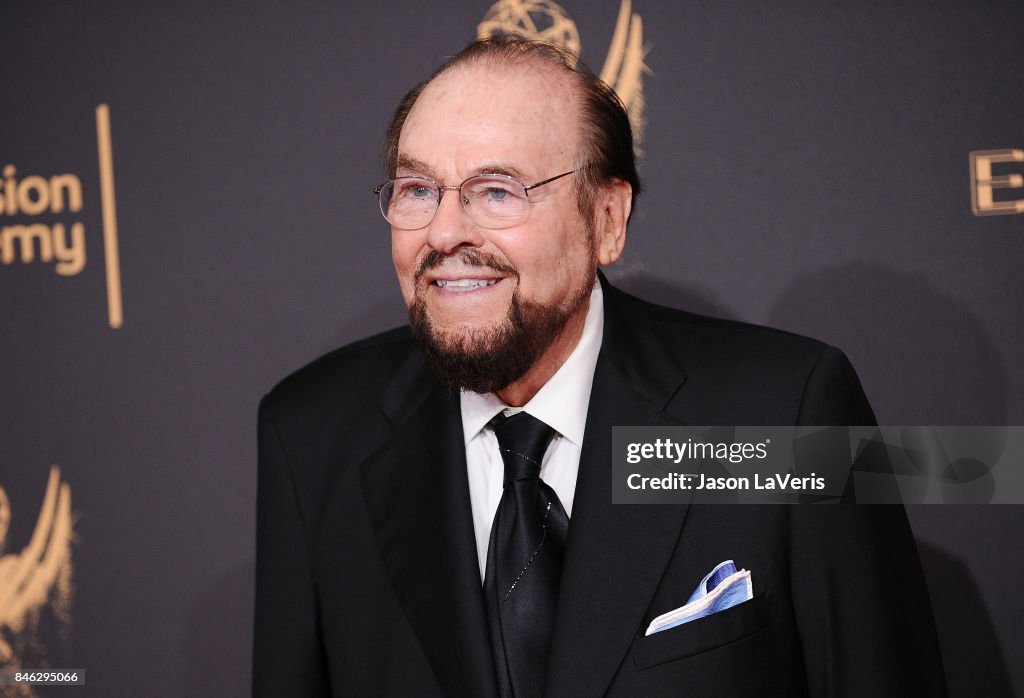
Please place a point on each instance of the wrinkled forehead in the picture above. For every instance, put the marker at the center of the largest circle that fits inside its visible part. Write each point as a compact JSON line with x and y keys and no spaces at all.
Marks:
{"x":525,"y":112}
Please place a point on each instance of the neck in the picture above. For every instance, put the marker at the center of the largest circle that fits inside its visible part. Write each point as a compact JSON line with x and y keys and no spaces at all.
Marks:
{"x":522,"y":391}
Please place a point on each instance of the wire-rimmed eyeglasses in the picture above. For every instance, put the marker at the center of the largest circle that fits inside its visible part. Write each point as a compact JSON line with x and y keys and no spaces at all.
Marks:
{"x":492,"y":201}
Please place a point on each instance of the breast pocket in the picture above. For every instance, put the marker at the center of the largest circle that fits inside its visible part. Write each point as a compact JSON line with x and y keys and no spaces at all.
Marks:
{"x":719,"y":629}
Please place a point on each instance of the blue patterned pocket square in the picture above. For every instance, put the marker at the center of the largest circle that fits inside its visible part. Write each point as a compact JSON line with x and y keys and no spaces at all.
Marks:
{"x":722,"y":588}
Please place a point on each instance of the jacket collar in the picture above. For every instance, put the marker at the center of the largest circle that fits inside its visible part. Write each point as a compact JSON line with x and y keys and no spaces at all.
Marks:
{"x":635,"y":346}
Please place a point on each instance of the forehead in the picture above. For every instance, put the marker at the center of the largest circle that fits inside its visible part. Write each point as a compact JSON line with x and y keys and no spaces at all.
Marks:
{"x":523,"y":117}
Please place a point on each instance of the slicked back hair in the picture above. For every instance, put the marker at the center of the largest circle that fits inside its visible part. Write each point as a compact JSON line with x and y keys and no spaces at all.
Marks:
{"x":606,"y":137}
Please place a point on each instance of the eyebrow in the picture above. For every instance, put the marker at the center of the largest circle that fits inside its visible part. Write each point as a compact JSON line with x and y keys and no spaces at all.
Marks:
{"x":406,"y":162}
{"x":500,"y":168}
{"x":413,"y":165}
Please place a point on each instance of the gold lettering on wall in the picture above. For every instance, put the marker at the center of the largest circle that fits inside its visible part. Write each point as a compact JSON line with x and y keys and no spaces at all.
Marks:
{"x":36,"y":579}
{"x":984,"y":183}
{"x":547,"y":21}
{"x":26,"y":197}
{"x":34,"y":195}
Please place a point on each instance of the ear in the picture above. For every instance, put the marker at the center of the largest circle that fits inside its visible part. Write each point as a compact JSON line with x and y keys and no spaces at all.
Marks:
{"x":614,"y":202}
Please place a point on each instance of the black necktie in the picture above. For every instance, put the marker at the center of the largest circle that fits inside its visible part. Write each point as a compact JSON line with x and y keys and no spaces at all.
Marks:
{"x":524,"y":559}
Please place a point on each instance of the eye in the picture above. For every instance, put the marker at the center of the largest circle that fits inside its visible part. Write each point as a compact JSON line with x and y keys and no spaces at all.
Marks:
{"x":493,"y":191}
{"x":414,"y":190}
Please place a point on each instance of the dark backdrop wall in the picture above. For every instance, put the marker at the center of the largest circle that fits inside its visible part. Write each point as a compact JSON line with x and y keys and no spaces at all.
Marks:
{"x":807,"y":166}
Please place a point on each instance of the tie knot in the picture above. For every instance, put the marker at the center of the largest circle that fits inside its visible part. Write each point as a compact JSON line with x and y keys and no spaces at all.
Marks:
{"x":522,"y":439}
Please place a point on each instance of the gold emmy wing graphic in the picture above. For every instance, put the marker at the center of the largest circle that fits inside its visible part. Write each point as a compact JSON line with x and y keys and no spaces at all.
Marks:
{"x":546,"y":21}
{"x":36,"y":579}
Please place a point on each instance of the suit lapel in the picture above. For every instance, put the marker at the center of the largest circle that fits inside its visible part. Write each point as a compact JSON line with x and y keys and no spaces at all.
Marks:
{"x":616,"y":554}
{"x":417,"y":496}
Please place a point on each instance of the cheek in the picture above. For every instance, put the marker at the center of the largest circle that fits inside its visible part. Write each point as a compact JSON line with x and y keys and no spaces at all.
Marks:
{"x":551,"y":266}
{"x":404,"y":254}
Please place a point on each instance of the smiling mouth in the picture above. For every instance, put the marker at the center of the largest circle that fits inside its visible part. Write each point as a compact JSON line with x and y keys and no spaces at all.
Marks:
{"x":463,"y":285}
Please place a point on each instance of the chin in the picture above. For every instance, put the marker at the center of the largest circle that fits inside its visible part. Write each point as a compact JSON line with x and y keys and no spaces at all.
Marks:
{"x":487,"y":357}
{"x":466,"y":331}
{"x":469,"y":340}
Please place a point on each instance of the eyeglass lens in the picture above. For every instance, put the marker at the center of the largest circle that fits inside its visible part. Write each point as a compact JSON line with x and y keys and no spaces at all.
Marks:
{"x":492,"y":201}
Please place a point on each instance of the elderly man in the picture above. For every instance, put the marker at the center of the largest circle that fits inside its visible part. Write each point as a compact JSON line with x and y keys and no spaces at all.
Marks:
{"x":434,"y":513}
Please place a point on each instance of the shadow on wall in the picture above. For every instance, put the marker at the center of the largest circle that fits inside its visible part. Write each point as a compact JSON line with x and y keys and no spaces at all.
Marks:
{"x":974,"y":660}
{"x":674,"y":295}
{"x":218,"y":640}
{"x":923,"y":357}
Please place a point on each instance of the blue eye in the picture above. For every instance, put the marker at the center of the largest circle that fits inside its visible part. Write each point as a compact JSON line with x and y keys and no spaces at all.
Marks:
{"x":491,"y":191}
{"x":414,"y":190}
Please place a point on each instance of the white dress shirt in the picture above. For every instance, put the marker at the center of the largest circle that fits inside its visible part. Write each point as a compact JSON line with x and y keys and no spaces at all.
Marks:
{"x":561,"y":403}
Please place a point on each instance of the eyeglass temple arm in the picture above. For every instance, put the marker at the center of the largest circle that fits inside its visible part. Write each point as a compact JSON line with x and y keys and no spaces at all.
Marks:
{"x":550,"y":179}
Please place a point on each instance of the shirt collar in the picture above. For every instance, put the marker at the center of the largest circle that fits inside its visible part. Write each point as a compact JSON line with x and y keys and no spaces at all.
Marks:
{"x":562,"y":402}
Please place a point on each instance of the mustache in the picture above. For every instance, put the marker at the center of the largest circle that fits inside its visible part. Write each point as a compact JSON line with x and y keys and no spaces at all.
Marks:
{"x":472,"y":258}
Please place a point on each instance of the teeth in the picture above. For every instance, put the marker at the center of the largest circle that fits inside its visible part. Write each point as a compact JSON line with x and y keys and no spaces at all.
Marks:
{"x":465,"y":284}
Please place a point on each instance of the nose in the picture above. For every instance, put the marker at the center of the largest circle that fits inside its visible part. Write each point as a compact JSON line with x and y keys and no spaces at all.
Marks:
{"x":451,"y":227}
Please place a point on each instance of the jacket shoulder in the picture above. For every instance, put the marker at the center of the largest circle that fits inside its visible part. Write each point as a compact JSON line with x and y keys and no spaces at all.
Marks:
{"x":741,"y":373}
{"x":355,"y":373}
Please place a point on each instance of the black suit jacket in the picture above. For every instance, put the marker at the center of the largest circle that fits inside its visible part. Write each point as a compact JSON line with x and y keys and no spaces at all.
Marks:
{"x":367,"y":576}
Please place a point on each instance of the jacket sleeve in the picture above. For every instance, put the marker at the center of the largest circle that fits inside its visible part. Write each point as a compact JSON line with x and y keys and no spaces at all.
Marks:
{"x":859,"y":594}
{"x":288,"y":656}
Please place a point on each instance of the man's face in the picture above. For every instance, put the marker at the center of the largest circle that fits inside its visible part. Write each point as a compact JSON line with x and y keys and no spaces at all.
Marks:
{"x":537,"y":274}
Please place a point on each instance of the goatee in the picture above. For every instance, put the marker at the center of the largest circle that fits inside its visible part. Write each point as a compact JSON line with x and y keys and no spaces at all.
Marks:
{"x":489,"y":359}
